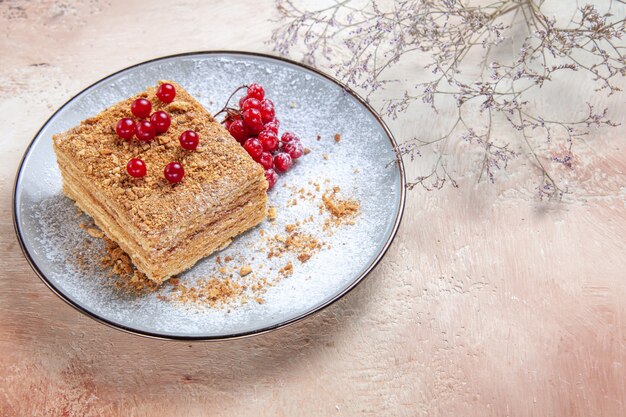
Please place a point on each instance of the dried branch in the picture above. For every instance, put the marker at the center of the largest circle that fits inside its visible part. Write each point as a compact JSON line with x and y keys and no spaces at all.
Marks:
{"x":362,"y":42}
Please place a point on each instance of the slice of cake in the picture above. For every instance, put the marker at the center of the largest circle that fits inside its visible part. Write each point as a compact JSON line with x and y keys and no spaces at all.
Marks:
{"x":165,"y":226}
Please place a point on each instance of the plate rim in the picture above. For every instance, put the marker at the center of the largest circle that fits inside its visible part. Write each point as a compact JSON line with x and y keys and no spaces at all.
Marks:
{"x":284,"y":323}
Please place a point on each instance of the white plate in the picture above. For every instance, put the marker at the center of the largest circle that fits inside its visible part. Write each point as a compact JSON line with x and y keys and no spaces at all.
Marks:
{"x":308,"y":103}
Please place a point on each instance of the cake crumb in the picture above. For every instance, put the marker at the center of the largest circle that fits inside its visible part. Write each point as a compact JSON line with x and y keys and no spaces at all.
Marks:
{"x":120,"y":264}
{"x":303,"y":257}
{"x":95,"y":232}
{"x":341,"y":211}
{"x":271,"y":213}
{"x":212,"y":291}
{"x":245,"y":270}
{"x":259,"y":300}
{"x":337,"y":137}
{"x":286,"y":270}
{"x":325,"y":156}
{"x":302,"y":245}
{"x":306,"y":151}
{"x":318,"y":137}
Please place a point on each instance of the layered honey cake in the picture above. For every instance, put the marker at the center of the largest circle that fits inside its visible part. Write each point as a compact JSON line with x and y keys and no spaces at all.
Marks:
{"x":162,"y":178}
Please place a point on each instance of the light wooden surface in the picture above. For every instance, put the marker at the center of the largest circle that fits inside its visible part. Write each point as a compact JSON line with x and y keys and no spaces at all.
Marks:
{"x":489,"y":303}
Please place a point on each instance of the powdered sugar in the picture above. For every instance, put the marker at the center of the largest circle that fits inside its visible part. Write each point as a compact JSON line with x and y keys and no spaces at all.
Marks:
{"x":307,"y":104}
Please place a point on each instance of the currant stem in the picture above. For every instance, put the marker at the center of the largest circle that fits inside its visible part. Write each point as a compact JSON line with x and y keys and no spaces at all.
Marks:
{"x":226,"y":108}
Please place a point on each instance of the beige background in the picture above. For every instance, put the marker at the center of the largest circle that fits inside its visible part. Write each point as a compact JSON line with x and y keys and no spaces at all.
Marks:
{"x":489,"y":303}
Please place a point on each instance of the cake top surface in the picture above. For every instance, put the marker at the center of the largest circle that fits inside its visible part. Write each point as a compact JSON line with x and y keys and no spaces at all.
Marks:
{"x":217,"y":170}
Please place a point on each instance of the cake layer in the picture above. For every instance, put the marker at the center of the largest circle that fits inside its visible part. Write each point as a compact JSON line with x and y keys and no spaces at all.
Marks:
{"x":183,"y":232}
{"x":159,"y":265}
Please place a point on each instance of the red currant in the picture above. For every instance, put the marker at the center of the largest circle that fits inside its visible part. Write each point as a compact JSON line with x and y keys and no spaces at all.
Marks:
{"x":282,"y":162}
{"x":241,"y":100}
{"x":256,"y":91}
{"x":271,"y":176}
{"x":161,"y":121}
{"x":251,"y":103}
{"x":294,"y":149}
{"x":252,"y":121}
{"x":254,"y":148}
{"x":269,"y":140}
{"x":232,"y":117}
{"x":141,"y":108}
{"x":237,"y":131}
{"x":174,"y":172}
{"x":288,"y":137}
{"x":266,"y":160}
{"x":166,"y":93}
{"x":125,"y":128}
{"x":189,"y":140}
{"x":273,"y":126}
{"x":267,"y":110}
{"x":145,"y":131}
{"x":136,"y":168}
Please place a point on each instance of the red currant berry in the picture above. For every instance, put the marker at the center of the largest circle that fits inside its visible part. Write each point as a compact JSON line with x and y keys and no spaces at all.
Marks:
{"x":252,"y":121}
{"x":267,"y":110}
{"x":256,"y":91}
{"x":253,"y":147}
{"x":282,"y":162}
{"x":251,"y":103}
{"x":136,"y":168}
{"x":266,"y":160}
{"x":273,"y":126}
{"x":166,"y":93}
{"x":145,"y":131}
{"x":288,"y":137}
{"x":125,"y":128}
{"x":231,"y":118}
{"x":161,"y":121}
{"x":141,"y":108}
{"x":269,"y":140}
{"x":271,"y":176}
{"x":241,"y":100}
{"x":174,"y":172}
{"x":237,"y":131}
{"x":189,"y":140}
{"x":294,"y":149}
